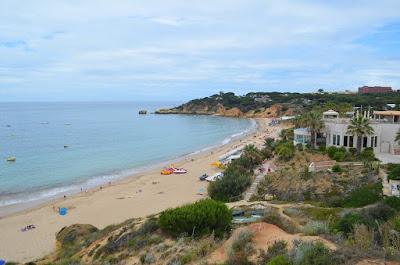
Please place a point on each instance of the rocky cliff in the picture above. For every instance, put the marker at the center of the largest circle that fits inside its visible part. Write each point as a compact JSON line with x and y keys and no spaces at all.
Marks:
{"x":204,"y":109}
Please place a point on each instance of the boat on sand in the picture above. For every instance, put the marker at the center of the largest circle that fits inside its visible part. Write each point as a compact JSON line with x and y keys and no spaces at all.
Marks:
{"x":180,"y":171}
{"x":173,"y":170}
{"x":167,"y":171}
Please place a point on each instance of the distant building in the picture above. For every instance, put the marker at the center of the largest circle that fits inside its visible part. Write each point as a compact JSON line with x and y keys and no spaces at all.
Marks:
{"x":374,"y":89}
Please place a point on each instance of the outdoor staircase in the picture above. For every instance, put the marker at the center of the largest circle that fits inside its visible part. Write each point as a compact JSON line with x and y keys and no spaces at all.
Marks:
{"x":386,"y":190}
{"x":250,"y":192}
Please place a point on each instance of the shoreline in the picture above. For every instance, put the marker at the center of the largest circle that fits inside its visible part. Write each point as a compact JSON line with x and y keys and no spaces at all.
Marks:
{"x":74,"y":189}
{"x":135,"y":196}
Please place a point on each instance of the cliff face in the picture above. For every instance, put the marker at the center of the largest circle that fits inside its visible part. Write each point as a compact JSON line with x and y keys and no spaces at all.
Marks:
{"x":218,"y":109}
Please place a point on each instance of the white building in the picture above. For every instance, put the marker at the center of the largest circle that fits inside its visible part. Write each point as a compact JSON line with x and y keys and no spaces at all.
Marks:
{"x":301,"y":136}
{"x":385,"y":124}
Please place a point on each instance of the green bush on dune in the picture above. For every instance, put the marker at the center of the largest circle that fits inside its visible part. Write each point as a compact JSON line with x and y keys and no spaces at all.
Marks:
{"x":237,"y":176}
{"x":197,"y":219}
{"x":363,"y":195}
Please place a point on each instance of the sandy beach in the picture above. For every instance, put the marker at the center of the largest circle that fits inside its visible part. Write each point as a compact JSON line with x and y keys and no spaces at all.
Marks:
{"x":136,"y":196}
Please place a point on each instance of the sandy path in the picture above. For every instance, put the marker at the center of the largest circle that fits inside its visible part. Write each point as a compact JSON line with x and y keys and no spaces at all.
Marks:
{"x":138,"y":196}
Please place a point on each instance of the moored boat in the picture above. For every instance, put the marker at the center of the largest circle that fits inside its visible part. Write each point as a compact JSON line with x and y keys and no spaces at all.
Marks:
{"x":11,"y":159}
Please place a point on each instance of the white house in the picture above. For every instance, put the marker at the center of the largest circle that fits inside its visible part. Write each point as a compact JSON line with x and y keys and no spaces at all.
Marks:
{"x":385,"y":124}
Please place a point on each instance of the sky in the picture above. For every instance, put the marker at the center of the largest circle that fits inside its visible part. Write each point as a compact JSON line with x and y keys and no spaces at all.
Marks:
{"x":178,"y":50}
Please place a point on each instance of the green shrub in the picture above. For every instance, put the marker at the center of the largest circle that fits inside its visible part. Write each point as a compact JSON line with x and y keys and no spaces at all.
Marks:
{"x":199,"y":218}
{"x":285,"y":151}
{"x":279,"y":260}
{"x":349,"y":157}
{"x":237,"y":176}
{"x":321,"y":213}
{"x":310,"y":253}
{"x":364,"y":195}
{"x":339,"y":156}
{"x":186,"y":258}
{"x":332,"y":151}
{"x":273,"y":217}
{"x":379,"y":212}
{"x":322,"y":148}
{"x":394,"y":171}
{"x":299,"y":147}
{"x":393,"y":202}
{"x":353,"y":151}
{"x":336,"y":168}
{"x":347,"y":222}
{"x":230,"y":187}
{"x":313,"y":228}
{"x":396,"y":223}
{"x":278,"y":248}
{"x":241,"y":248}
{"x":367,"y":154}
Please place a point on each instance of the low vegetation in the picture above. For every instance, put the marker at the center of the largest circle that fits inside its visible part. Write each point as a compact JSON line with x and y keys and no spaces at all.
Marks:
{"x":237,"y":176}
{"x":198,"y":219}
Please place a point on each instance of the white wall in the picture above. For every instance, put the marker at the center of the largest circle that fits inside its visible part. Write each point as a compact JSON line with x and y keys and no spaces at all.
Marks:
{"x":386,"y":133}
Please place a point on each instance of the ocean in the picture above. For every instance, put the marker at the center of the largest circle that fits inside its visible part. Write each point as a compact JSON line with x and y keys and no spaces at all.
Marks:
{"x":63,"y":147}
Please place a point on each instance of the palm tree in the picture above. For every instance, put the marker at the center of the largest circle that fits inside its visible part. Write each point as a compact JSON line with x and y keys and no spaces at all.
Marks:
{"x":359,"y":126}
{"x":397,"y":139}
{"x":285,"y":151}
{"x":312,"y":120}
{"x":253,"y":154}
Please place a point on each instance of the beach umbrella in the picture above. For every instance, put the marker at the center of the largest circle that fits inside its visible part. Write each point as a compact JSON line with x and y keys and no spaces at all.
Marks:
{"x":62,"y":211}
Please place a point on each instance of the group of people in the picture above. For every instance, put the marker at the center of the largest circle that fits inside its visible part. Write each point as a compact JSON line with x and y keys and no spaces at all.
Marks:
{"x":28,"y":227}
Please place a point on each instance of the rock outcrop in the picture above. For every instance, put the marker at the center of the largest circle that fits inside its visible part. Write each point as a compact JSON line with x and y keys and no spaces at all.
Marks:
{"x":218,"y":109}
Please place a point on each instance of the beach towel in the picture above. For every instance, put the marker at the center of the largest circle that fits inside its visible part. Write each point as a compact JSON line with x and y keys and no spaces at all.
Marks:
{"x":2,"y":262}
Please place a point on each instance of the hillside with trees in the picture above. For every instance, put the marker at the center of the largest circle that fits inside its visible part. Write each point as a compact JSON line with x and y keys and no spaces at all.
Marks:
{"x":273,"y":104}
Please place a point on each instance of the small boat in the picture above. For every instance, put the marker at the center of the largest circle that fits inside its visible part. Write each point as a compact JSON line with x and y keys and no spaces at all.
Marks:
{"x":142,"y":111}
{"x":216,"y":164}
{"x":180,"y":171}
{"x":203,"y":177}
{"x":66,"y":146}
{"x":167,"y":171}
{"x":67,"y":124}
{"x":11,"y":159}
{"x":215,"y":177}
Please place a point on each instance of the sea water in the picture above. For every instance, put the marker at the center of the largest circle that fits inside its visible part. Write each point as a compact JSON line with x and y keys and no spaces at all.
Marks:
{"x":63,"y":147}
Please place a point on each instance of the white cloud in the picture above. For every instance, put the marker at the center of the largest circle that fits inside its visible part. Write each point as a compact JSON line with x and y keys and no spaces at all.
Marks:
{"x":163,"y":45}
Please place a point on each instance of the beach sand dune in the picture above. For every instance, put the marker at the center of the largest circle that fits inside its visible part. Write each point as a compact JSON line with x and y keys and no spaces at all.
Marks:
{"x":137,"y":196}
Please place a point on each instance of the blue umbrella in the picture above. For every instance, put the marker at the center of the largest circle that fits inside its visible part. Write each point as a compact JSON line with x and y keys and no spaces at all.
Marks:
{"x":62,"y":211}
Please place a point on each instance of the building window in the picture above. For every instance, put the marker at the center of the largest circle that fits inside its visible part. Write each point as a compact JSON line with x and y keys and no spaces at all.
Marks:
{"x":338,"y":139}
{"x":345,"y":140}
{"x":351,"y":141}
{"x":372,"y":141}
{"x":334,"y":139}
{"x":365,"y":141}
{"x":376,"y":141}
